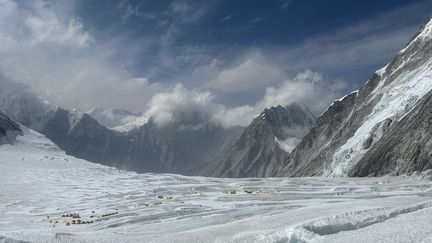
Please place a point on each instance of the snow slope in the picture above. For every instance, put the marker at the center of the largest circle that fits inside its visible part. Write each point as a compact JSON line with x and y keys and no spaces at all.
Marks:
{"x":39,"y":184}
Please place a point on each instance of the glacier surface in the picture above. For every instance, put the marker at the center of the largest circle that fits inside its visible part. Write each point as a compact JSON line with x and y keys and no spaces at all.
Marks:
{"x":40,"y":184}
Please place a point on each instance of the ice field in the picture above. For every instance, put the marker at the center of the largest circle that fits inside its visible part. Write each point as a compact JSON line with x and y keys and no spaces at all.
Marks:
{"x":40,"y":185}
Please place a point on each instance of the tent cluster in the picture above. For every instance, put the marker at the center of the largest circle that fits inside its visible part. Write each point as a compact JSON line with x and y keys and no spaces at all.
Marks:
{"x":263,"y":192}
{"x":230,"y":192}
{"x":109,"y":214}
{"x":72,"y":215}
{"x":165,"y":197}
{"x":75,"y":218}
{"x":78,"y":221}
{"x":248,"y":191}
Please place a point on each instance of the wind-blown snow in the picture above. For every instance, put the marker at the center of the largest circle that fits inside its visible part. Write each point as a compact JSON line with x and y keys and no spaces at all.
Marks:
{"x":293,"y":136}
{"x":39,"y":184}
{"x":113,"y":118}
{"x":381,"y":71}
{"x":134,"y":123}
{"x":288,"y":144}
{"x":74,"y":117}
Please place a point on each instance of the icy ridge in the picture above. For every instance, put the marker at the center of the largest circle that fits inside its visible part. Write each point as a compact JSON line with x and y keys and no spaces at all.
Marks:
{"x":398,"y":98}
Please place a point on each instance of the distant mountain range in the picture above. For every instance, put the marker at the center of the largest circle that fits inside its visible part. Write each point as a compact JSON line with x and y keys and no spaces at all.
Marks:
{"x":146,"y":148}
{"x":383,"y":128}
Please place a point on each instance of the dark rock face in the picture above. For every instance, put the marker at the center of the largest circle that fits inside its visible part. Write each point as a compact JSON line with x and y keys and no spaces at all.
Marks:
{"x":258,"y":152}
{"x":9,"y":129}
{"x":22,"y":105}
{"x":146,"y":149}
{"x":405,"y":148}
{"x":86,"y":139}
{"x":182,"y":150}
{"x":330,"y":131}
{"x":358,"y":124}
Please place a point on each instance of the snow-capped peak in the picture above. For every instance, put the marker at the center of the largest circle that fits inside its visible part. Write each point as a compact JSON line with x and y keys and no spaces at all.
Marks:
{"x":131,"y":124}
{"x":116,"y":119}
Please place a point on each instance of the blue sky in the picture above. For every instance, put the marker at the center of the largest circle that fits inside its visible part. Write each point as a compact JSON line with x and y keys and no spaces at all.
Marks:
{"x":202,"y":30}
{"x":244,"y":55}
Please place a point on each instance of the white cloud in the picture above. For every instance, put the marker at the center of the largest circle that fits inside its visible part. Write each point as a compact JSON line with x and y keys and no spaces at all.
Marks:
{"x":236,"y":116}
{"x":63,"y":61}
{"x":195,"y":108}
{"x":40,"y":24}
{"x":289,"y":144}
{"x":99,"y":84}
{"x":252,"y":73}
{"x":293,"y":136}
{"x":50,"y":52}
{"x":188,"y":11}
{"x":128,"y":10}
{"x":285,"y":4}
{"x":307,"y":87}
{"x":226,"y":18}
{"x":54,"y":54}
{"x":46,"y":27}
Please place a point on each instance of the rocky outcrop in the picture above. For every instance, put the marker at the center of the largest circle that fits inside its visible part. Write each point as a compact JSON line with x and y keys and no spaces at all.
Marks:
{"x":9,"y":129}
{"x":403,"y":149}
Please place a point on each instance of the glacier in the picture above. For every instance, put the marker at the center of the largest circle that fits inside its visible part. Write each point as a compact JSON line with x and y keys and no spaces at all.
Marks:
{"x":41,"y":184}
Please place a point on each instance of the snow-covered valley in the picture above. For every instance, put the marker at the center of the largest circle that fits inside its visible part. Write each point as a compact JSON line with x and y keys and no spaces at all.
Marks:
{"x":209,"y":121}
{"x":40,"y":185}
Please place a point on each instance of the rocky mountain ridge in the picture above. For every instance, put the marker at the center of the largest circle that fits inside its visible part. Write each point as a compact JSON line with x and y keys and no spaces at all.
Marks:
{"x":264,"y":143}
{"x":355,"y":124}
